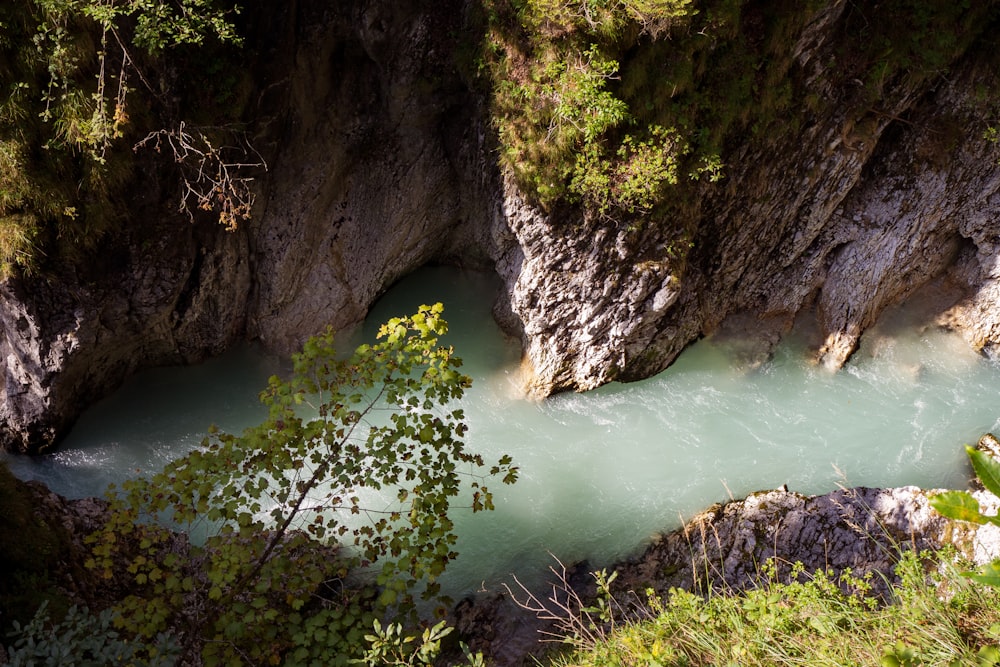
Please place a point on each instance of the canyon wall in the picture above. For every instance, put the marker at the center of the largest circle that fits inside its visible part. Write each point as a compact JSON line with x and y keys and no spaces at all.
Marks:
{"x":842,"y":215}
{"x":67,"y":340}
{"x":374,"y":149}
{"x":382,"y":158}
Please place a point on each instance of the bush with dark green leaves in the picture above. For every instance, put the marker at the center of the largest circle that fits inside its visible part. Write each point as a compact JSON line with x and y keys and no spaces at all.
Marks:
{"x":82,"y":639}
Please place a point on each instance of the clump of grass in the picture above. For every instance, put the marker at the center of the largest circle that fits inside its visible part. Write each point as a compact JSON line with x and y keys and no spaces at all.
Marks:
{"x":935,"y":617}
{"x":17,"y":243}
{"x":565,"y":130}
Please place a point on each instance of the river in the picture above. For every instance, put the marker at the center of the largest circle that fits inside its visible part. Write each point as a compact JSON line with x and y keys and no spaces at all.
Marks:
{"x":603,"y":471}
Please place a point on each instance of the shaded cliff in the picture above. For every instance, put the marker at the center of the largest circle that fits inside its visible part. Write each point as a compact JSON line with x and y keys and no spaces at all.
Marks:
{"x":374,"y":148}
{"x":70,"y":338}
{"x":375,"y":120}
{"x":378,"y":153}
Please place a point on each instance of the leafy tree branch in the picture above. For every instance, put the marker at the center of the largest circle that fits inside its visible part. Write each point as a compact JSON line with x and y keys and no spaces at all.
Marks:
{"x":331,"y":512}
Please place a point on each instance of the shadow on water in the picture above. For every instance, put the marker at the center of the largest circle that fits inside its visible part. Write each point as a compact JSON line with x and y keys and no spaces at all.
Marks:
{"x":156,"y":416}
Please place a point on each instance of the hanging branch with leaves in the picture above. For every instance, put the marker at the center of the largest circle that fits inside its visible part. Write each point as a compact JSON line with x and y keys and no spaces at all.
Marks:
{"x":359,"y":465}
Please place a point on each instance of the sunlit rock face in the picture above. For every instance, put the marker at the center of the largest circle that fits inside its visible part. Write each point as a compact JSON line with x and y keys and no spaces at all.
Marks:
{"x":841,"y":217}
{"x":859,"y":529}
{"x":588,"y":298}
{"x":728,"y":548}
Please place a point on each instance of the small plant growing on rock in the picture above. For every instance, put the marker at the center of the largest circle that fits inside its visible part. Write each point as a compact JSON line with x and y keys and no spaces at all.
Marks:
{"x":963,"y":506}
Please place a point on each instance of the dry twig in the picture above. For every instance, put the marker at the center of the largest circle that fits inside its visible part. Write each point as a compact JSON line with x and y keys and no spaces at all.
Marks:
{"x":214,"y":178}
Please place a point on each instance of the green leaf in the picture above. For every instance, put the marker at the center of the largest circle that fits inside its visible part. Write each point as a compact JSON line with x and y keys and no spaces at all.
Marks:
{"x":988,"y":574}
{"x":987,"y":469}
{"x":958,"y":505}
{"x":988,"y":656}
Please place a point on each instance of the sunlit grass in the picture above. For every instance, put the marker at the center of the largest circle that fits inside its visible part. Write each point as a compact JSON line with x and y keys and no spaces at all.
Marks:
{"x":934,"y":617}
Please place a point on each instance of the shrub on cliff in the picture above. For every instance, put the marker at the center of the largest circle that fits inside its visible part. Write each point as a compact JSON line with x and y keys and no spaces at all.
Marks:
{"x":302,"y":553}
{"x":564,"y":129}
{"x":81,"y":81}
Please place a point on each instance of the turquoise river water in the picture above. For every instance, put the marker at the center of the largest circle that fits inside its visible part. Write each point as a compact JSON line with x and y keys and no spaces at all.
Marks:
{"x":603,"y":471}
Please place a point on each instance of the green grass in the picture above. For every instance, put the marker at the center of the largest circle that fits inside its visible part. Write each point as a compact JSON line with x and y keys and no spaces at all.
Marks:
{"x":574,"y":83}
{"x":934,"y":617}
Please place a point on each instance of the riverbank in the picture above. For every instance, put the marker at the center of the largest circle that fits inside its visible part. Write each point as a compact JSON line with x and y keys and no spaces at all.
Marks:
{"x":862,"y":531}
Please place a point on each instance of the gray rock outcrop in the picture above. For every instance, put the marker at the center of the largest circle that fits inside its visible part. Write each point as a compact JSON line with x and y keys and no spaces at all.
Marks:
{"x":862,"y":529}
{"x":375,"y":154}
{"x":68,"y":340}
{"x":847,"y":215}
{"x":378,"y":162}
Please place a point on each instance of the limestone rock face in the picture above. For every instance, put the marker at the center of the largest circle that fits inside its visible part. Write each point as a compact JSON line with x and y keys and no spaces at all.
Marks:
{"x":588,"y":298}
{"x":376,"y":167}
{"x":725,"y":547}
{"x":382,"y":158}
{"x":67,"y":342}
{"x":375,"y":155}
{"x":862,"y":529}
{"x":848,"y":214}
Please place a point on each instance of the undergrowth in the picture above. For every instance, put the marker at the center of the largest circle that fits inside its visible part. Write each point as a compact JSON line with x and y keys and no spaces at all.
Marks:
{"x":935,"y":617}
{"x":81,"y":81}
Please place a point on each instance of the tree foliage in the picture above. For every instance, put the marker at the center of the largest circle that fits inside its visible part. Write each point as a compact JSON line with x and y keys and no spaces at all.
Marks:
{"x":80,"y":81}
{"x":122,"y":27}
{"x":296,"y":506}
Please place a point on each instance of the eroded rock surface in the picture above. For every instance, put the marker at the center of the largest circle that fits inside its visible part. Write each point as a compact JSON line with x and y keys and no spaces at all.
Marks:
{"x":68,"y":340}
{"x":382,"y":158}
{"x":376,"y":153}
{"x":378,"y":161}
{"x":844,"y":215}
{"x":862,"y":529}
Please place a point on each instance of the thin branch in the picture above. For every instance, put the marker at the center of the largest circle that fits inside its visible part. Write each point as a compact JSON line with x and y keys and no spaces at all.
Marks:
{"x":214,"y":179}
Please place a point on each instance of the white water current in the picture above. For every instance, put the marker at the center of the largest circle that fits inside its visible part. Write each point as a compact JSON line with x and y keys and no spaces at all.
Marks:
{"x":603,"y":471}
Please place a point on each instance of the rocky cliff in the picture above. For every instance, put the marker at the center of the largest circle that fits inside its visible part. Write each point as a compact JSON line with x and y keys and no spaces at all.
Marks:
{"x":848,"y":211}
{"x":70,"y":338}
{"x":375,"y":151}
{"x":382,"y":157}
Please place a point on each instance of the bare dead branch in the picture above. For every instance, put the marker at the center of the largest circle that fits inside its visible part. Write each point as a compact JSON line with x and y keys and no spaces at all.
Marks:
{"x":568,"y":617}
{"x":214,"y":178}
